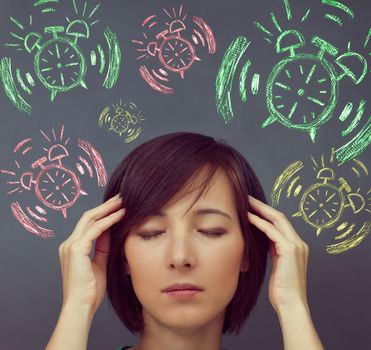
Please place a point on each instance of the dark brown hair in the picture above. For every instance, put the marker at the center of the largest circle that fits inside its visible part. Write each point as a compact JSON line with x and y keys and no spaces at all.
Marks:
{"x":147,"y":178}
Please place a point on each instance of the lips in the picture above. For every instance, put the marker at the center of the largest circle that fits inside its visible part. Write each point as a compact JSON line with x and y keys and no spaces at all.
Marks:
{"x":182,"y":286}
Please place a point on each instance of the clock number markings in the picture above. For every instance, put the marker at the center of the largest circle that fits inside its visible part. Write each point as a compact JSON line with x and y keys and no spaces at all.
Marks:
{"x":310,"y":74}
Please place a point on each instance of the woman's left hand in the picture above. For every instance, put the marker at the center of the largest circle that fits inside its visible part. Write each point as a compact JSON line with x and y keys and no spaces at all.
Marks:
{"x":289,"y":255}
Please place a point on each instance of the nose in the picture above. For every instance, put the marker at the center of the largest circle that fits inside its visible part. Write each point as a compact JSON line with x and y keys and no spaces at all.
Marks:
{"x":181,"y":253}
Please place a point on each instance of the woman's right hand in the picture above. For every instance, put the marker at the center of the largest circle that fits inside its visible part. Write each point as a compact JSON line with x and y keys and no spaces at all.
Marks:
{"x":84,"y":279}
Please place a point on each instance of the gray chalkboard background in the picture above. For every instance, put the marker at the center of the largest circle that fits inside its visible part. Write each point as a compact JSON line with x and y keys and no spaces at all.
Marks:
{"x":339,"y":286}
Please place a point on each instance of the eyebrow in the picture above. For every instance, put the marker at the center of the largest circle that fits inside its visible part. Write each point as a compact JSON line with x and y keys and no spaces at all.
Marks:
{"x":203,"y":211}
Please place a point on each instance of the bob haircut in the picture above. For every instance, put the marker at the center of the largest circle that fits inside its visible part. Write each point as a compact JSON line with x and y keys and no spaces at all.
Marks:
{"x":147,"y":178}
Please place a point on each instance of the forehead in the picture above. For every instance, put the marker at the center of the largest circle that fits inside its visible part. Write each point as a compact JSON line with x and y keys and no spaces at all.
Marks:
{"x":217,"y":196}
{"x":218,"y":192}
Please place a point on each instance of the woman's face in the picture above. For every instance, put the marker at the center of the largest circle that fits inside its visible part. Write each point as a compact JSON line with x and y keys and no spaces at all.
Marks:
{"x":182,"y":253}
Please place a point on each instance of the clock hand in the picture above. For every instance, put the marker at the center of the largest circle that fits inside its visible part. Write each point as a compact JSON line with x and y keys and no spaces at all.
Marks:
{"x":315,"y":101}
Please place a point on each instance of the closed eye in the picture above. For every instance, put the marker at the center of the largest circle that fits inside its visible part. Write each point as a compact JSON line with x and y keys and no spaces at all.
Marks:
{"x":209,"y":234}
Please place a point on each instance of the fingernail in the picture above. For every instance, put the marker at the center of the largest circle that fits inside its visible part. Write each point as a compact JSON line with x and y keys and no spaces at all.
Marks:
{"x":114,"y":198}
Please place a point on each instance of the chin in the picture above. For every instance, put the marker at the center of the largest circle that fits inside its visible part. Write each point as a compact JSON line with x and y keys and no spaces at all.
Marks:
{"x":187,"y":317}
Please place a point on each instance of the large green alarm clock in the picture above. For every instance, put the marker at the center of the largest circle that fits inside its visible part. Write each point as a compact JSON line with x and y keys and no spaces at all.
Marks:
{"x":59,"y":62}
{"x":302,"y":89}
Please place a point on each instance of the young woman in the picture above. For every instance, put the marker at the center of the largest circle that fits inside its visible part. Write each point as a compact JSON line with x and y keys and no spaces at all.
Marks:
{"x":181,"y":209}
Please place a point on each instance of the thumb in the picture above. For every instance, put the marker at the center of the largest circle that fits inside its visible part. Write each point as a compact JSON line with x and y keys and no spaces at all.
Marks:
{"x":102,"y":249}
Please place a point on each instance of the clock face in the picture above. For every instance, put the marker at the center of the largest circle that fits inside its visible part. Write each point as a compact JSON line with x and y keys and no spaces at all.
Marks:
{"x":120,"y":123}
{"x":176,"y":54}
{"x":322,"y":205}
{"x":57,"y":187}
{"x":302,"y":91}
{"x":60,"y":64}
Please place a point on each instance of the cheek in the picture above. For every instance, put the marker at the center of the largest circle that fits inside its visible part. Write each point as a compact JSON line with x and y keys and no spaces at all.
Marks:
{"x":223,"y":266}
{"x":144,"y":271}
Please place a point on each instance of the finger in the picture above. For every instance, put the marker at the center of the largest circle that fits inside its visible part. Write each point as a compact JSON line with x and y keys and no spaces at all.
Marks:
{"x":98,"y":227}
{"x":60,"y":253}
{"x":102,"y":245}
{"x":276,"y":217}
{"x":265,"y":226}
{"x":91,"y":216}
{"x":118,"y":195}
{"x":114,"y":197}
{"x":102,"y":209}
{"x":265,"y":210}
{"x":96,"y":230}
